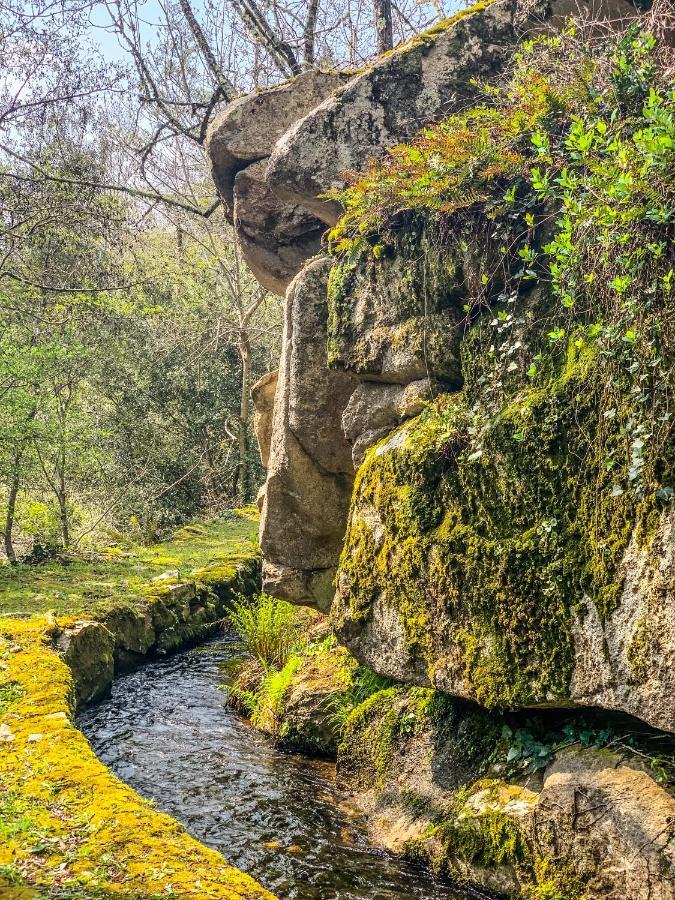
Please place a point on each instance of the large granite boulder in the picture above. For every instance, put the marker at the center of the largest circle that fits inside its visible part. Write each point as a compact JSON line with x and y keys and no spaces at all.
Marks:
{"x":472,"y":574}
{"x":276,"y":238}
{"x":421,"y":81}
{"x":310,"y":472}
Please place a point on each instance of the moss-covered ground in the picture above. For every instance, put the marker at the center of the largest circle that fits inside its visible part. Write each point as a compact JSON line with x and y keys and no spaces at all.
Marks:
{"x":95,"y":582}
{"x":68,"y":827}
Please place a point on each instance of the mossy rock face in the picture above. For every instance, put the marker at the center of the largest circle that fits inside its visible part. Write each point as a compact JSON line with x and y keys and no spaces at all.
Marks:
{"x":399,"y":730}
{"x":396,"y":317}
{"x":88,"y":648}
{"x":418,"y":759}
{"x":488,"y":552}
{"x":435,"y":777}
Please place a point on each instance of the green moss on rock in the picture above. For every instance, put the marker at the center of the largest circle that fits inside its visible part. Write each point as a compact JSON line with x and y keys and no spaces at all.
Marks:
{"x":492,"y":526}
{"x":397,"y":306}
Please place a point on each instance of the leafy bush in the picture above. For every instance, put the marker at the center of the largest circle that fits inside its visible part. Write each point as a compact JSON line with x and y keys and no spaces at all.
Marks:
{"x":268,"y":628}
{"x":535,"y":745}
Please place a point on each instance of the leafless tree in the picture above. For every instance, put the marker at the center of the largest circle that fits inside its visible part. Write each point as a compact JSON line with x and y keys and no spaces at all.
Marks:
{"x":145,"y":121}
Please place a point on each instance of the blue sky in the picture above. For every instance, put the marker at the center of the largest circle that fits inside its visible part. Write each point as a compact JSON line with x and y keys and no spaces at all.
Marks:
{"x":102,"y":34}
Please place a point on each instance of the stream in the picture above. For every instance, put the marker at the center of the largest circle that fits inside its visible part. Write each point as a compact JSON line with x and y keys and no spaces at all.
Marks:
{"x":166,"y":730}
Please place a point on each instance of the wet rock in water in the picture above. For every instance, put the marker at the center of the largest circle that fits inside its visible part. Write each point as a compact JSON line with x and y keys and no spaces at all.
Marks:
{"x":317,"y":681}
{"x":309,"y":722}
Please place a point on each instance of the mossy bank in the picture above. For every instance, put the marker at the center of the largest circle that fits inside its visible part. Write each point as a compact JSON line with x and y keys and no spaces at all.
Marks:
{"x":70,"y":828}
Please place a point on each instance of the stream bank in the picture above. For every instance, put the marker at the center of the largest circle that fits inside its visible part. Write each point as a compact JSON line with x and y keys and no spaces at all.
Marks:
{"x":68,"y":827}
{"x":167,"y":731}
{"x":498,"y":799}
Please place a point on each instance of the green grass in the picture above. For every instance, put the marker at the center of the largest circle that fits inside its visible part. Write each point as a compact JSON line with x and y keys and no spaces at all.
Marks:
{"x":270,"y":629}
{"x":94,"y":582}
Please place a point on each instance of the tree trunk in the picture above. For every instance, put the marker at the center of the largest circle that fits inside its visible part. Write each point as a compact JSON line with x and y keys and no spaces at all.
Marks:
{"x":383,"y":25}
{"x":65,"y":529}
{"x":244,"y":406}
{"x":61,"y":496}
{"x":310,"y":33}
{"x":11,"y":509}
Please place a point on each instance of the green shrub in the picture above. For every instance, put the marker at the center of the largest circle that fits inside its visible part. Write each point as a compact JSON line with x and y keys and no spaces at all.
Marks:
{"x":269,"y":698}
{"x":364,"y":684}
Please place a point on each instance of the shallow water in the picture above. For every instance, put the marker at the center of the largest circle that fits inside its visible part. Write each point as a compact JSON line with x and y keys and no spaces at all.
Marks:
{"x":166,"y":730}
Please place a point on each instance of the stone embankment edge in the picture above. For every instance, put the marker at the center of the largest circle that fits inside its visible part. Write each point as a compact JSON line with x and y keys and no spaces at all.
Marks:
{"x":94,"y":833}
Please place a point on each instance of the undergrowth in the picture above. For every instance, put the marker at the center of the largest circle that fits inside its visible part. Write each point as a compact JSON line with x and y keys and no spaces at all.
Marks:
{"x":571,"y":161}
{"x":285,"y":644}
{"x":268,"y":629}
